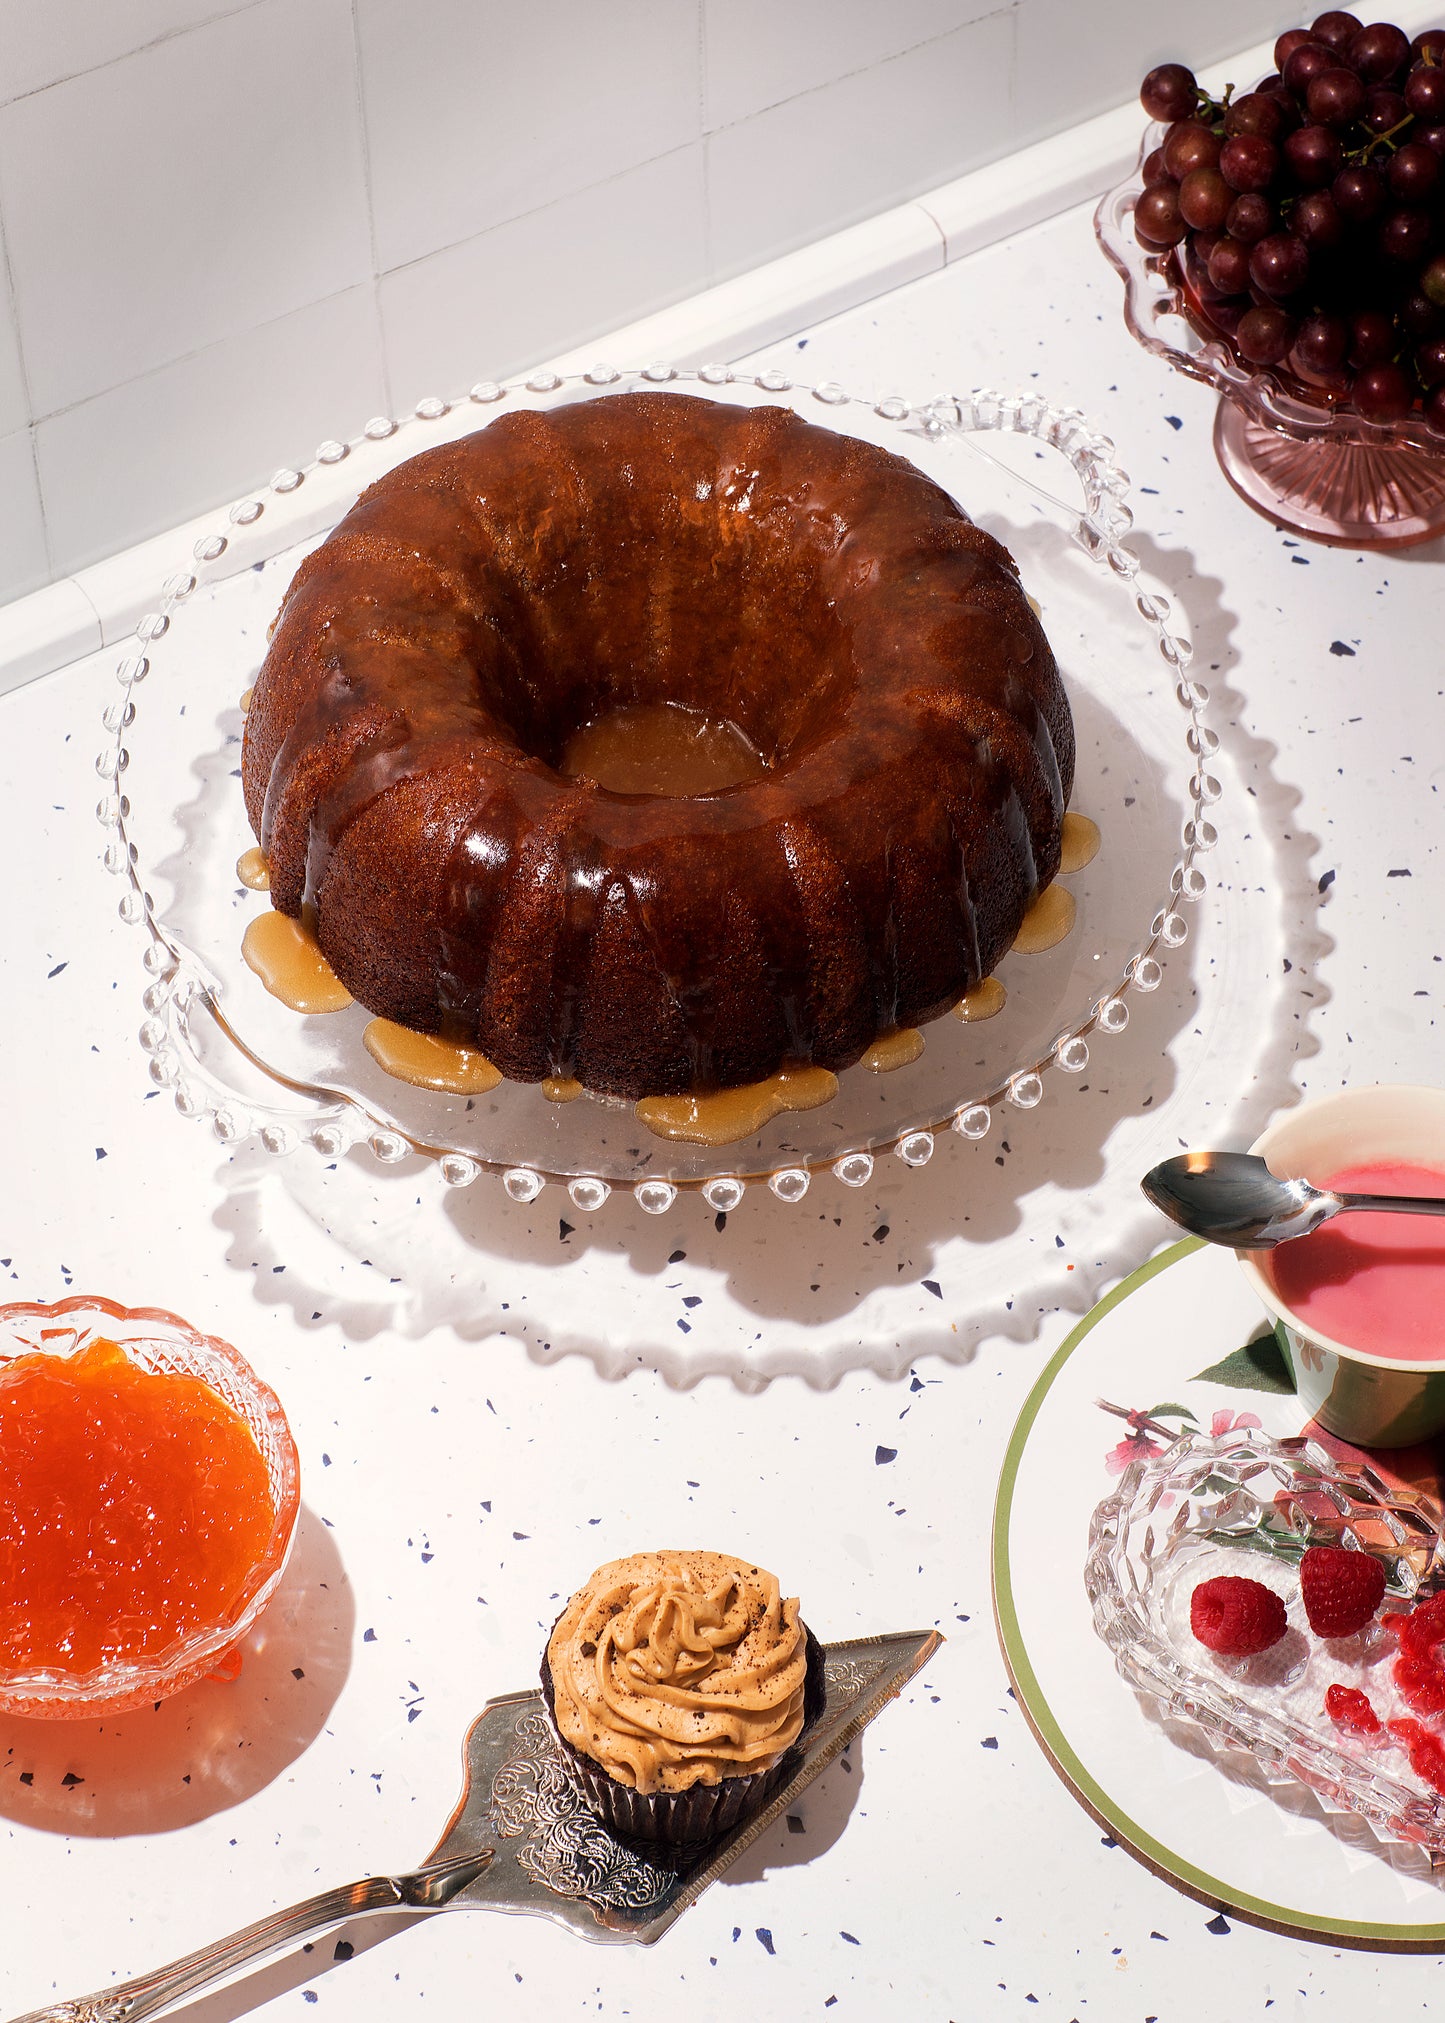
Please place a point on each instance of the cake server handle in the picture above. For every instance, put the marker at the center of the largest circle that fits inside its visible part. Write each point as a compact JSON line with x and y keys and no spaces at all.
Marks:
{"x":425,"y":1889}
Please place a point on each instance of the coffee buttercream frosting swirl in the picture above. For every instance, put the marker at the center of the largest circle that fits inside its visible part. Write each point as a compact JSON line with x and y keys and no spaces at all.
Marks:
{"x":672,"y":1669}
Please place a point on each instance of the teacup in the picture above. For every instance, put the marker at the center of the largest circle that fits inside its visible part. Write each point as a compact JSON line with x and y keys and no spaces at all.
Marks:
{"x":1352,"y":1390}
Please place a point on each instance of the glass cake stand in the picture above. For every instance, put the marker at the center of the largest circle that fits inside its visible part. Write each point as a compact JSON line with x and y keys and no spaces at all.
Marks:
{"x":1284,"y":446}
{"x":235,"y":1057}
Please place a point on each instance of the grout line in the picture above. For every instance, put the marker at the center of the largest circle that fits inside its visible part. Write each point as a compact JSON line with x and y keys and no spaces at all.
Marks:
{"x":140,"y":49}
{"x":368,"y":183}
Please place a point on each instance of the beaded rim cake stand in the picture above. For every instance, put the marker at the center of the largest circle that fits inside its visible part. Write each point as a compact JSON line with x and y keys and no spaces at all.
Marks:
{"x":204,"y":1056}
{"x":1285,"y":448}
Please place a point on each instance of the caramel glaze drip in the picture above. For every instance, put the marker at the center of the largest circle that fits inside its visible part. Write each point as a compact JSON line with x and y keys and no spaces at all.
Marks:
{"x":253,"y":870}
{"x":1048,"y":921}
{"x":871,"y":643}
{"x":1080,"y":842}
{"x":561,"y":1089}
{"x":894,"y":1050}
{"x":985,"y":1001}
{"x":726,"y":1115}
{"x":661,"y":748}
{"x":291,"y":966}
{"x":428,"y":1062}
{"x":246,"y":695}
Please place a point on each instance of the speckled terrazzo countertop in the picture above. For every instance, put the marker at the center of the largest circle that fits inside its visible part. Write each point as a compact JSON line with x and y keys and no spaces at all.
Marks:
{"x":470,"y":1450}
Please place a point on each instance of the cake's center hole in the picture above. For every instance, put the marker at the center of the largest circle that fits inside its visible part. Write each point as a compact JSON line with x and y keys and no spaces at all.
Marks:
{"x":662,"y":748}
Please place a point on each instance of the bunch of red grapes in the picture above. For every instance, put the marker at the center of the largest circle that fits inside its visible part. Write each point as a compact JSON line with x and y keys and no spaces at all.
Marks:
{"x":1308,"y":215}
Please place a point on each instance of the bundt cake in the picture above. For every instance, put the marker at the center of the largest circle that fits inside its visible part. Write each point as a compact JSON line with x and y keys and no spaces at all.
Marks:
{"x":490,"y":598}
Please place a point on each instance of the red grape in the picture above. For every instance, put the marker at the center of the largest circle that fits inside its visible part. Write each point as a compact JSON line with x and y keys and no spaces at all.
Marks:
{"x":1292,"y":39}
{"x":1379,"y":51}
{"x":1248,"y":162}
{"x":1384,"y":110}
{"x":1323,"y":343}
{"x":1414,"y":173}
{"x":1265,"y":335}
{"x":1425,"y":92}
{"x":1335,"y":97}
{"x":1315,"y":155}
{"x":1359,"y":194}
{"x":1372,"y":337}
{"x":1317,"y":221}
{"x":1435,"y":409}
{"x":1382,"y":393}
{"x":1418,"y":315}
{"x":1280,"y":265}
{"x":1432,"y":281}
{"x":1336,"y":28}
{"x":1190,"y":145}
{"x":1255,"y":113}
{"x":1306,"y":63}
{"x":1432,"y":137}
{"x":1405,"y":235}
{"x":1229,"y":266}
{"x":1431,"y":44}
{"x":1430,"y":361}
{"x":1156,"y":216}
{"x":1205,"y":198}
{"x":1169,"y":92}
{"x":1251,"y":218}
{"x":1154,"y":170}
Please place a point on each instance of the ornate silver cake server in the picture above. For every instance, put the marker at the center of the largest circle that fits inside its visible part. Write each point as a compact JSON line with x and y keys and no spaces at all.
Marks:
{"x":521,"y":1838}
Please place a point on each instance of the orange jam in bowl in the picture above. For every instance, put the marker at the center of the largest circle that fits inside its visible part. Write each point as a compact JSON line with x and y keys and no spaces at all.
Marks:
{"x":148,"y":1495}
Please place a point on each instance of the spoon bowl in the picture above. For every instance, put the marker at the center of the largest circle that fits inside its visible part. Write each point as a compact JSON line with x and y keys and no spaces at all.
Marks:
{"x":1233,"y":1198}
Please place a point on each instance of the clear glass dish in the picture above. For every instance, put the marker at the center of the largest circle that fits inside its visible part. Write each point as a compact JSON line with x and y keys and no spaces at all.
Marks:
{"x":1249,"y":1505}
{"x":159,"y":1341}
{"x":232,"y":1054}
{"x":1284,"y":446}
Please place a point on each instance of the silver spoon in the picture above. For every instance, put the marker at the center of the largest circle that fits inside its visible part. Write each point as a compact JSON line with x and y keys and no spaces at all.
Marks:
{"x":1233,"y":1198}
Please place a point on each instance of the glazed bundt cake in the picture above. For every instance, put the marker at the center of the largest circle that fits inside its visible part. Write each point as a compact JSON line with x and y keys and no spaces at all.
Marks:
{"x":489,"y":599}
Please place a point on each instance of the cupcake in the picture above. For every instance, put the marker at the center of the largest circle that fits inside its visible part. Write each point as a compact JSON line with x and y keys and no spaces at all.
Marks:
{"x":680,"y":1685}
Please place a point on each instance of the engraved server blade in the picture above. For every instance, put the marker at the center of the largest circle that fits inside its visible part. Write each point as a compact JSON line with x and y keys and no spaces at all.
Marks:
{"x":555,"y":1859}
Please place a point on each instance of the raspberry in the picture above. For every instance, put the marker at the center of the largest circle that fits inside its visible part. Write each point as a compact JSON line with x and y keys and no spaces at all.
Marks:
{"x":1236,"y":1617}
{"x":1427,"y":1756}
{"x":1349,"y":1708}
{"x":1423,"y":1628}
{"x":1341,"y":1589}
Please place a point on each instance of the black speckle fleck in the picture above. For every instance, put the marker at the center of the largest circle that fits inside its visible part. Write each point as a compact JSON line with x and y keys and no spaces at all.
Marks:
{"x":70,"y":1780}
{"x":932,"y":1285}
{"x":849,"y":1937}
{"x":344,"y":1950}
{"x":1327,"y":881}
{"x":883,"y":1455}
{"x":1174,"y":421}
{"x":368,"y":1636}
{"x":1220,"y":1926}
{"x":765,"y":1940}
{"x":1340,"y":650}
{"x":989,"y":1742}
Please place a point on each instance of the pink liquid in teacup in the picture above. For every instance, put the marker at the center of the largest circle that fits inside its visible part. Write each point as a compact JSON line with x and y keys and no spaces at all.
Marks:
{"x":1373,"y":1281}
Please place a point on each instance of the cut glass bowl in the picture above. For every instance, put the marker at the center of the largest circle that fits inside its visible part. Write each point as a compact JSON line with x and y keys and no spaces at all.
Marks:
{"x":234,"y":1057}
{"x":159,"y":1341}
{"x":1248,"y":1505}
{"x":1325,"y":472}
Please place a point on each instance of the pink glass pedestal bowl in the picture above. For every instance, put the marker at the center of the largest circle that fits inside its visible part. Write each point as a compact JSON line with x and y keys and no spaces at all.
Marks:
{"x":1285,"y":447}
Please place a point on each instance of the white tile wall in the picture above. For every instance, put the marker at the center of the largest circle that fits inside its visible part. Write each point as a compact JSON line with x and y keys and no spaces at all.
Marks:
{"x":758,"y":53}
{"x":198,"y":188}
{"x":41,"y":43}
{"x":583,"y":265}
{"x":234,"y":226}
{"x":202,"y":430}
{"x":24,"y":563}
{"x":834,"y":154}
{"x":14,"y":398}
{"x":478,"y":113}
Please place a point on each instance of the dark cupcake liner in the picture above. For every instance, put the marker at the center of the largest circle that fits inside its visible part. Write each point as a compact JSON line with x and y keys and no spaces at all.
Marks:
{"x":685,"y":1819}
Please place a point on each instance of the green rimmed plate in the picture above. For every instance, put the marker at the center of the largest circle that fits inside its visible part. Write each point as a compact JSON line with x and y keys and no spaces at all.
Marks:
{"x":1175,"y":1345}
